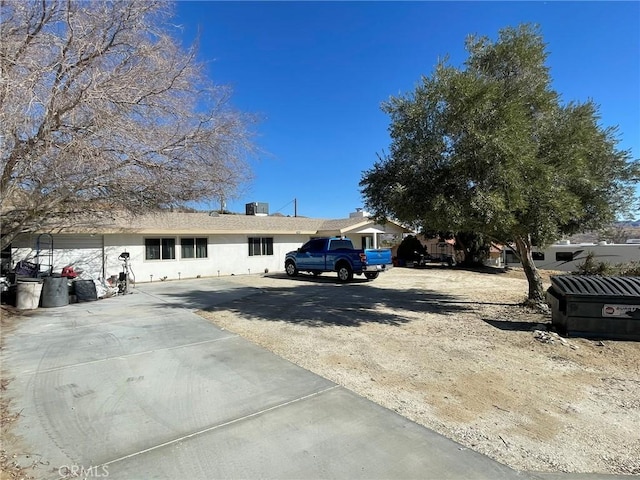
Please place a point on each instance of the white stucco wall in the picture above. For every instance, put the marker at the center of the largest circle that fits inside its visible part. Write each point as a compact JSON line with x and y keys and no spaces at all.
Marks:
{"x":97,"y":256}
{"x":83,"y":252}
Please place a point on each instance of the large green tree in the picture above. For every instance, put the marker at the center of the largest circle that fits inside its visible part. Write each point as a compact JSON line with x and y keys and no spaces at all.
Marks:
{"x":490,"y":148}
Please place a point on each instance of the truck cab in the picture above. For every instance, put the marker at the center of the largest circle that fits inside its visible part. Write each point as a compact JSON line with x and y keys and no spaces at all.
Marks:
{"x":336,"y":254}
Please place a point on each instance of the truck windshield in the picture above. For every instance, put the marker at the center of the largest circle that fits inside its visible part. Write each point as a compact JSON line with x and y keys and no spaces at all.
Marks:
{"x":340,"y":245}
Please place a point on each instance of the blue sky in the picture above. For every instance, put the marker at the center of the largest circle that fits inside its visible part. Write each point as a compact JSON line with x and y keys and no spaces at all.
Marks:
{"x":317,"y":73}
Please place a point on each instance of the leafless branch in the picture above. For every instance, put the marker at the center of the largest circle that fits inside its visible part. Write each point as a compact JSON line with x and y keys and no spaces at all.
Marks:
{"x":102,"y":110}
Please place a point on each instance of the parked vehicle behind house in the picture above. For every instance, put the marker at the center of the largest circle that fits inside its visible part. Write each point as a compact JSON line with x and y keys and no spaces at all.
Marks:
{"x":422,"y":259}
{"x":336,"y":254}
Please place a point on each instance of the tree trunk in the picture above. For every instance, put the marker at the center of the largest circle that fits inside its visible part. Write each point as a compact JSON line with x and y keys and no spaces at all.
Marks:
{"x":536,"y":297}
{"x":462,"y":247}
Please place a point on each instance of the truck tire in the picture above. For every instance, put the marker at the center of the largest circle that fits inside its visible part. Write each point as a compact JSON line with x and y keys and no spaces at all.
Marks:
{"x":371,"y":275}
{"x":345,"y":273}
{"x":290,"y":268}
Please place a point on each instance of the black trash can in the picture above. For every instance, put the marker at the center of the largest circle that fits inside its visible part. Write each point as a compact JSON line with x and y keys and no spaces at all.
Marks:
{"x":595,"y":306}
{"x":85,"y":290}
{"x":55,"y":292}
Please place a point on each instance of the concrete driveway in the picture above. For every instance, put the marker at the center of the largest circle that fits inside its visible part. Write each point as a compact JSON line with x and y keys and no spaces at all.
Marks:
{"x":140,"y":387}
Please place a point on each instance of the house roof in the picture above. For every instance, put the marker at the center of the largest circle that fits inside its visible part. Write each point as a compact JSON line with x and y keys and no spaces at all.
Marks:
{"x":204,"y":223}
{"x":343,"y":225}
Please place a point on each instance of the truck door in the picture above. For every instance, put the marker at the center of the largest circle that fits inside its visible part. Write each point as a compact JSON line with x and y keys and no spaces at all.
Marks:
{"x":312,"y":255}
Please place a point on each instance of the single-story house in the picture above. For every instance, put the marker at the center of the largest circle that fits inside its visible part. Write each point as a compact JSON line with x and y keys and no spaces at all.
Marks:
{"x":173,"y":245}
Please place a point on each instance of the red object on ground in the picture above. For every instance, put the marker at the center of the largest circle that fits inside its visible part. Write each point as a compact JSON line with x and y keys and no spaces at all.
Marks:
{"x":69,"y":272}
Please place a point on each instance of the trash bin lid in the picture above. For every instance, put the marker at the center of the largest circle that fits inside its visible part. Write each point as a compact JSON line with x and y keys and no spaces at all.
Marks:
{"x":597,"y":285}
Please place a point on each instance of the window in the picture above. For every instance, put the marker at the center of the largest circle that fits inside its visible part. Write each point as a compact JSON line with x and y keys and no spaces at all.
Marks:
{"x":260,"y":246}
{"x":160,"y":248}
{"x":564,"y":256}
{"x":511,"y":257}
{"x":193,"y":247}
{"x":316,"y":245}
{"x":538,"y":255}
{"x":340,"y":245}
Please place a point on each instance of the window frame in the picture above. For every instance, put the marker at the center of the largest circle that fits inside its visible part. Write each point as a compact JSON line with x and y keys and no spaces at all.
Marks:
{"x":565,"y":256}
{"x":196,"y":244}
{"x":260,"y":246}
{"x":166,"y":248}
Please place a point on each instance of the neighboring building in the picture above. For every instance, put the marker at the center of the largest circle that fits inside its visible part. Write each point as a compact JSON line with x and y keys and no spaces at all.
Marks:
{"x":172,"y":245}
{"x":566,"y":256}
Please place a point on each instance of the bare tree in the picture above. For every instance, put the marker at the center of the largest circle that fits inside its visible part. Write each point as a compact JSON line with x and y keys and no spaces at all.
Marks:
{"x":102,"y":110}
{"x":615,"y":233}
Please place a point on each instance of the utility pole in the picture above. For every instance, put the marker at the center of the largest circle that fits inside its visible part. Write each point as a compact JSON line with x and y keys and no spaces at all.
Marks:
{"x":295,"y":207}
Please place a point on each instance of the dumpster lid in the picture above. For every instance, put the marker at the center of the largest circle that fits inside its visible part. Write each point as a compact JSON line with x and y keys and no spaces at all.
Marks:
{"x":597,"y":285}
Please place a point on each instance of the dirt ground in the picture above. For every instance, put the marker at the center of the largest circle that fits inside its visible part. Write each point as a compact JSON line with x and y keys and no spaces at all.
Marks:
{"x":453,"y":350}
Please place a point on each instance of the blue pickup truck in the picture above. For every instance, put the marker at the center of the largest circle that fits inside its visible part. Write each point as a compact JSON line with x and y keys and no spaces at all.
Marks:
{"x":336,"y":254}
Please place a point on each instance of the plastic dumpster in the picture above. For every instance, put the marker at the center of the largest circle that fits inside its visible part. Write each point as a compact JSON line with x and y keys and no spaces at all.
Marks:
{"x":595,"y":306}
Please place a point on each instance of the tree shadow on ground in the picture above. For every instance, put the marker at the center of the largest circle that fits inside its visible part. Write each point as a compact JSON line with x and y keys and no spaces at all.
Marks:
{"x":319,"y":302}
{"x":467,"y":268}
{"x":328,"y":277}
{"x":517,"y":326}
